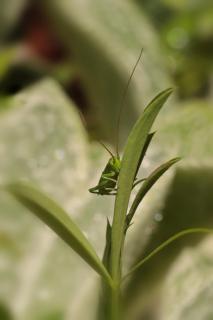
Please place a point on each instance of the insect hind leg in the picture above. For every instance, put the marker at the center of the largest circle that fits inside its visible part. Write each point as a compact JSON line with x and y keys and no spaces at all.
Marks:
{"x":109,"y":179}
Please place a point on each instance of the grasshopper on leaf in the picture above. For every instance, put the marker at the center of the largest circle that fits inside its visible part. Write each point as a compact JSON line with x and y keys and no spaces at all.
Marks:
{"x":109,"y":177}
{"x":108,"y":180}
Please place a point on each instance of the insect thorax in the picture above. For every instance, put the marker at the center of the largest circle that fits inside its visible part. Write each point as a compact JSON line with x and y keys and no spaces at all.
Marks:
{"x":114,"y":164}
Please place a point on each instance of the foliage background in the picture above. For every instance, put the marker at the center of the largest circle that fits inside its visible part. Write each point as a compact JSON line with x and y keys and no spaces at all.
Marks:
{"x":63,"y":67}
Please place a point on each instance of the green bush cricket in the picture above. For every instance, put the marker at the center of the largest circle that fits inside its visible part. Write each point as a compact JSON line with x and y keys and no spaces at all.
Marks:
{"x":108,"y":180}
{"x":109,"y":177}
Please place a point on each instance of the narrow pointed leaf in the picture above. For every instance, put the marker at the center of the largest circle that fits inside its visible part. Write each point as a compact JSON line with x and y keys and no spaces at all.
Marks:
{"x":104,"y":297}
{"x":165,"y":244}
{"x":144,"y":150}
{"x":129,"y":165}
{"x":147,"y":185}
{"x":58,"y":220}
{"x":107,"y":250}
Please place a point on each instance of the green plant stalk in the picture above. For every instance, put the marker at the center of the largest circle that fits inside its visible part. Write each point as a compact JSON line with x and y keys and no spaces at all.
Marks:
{"x":131,"y":158}
{"x":109,"y":307}
{"x":110,"y":269}
{"x":136,"y":142}
{"x":115,"y":303}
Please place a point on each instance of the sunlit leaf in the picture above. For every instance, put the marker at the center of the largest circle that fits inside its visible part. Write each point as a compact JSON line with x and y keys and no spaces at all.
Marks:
{"x":54,"y":216}
{"x":105,"y":39}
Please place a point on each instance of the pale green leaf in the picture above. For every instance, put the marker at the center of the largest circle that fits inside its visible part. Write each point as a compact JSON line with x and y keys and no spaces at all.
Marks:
{"x":58,"y":220}
{"x":105,"y":38}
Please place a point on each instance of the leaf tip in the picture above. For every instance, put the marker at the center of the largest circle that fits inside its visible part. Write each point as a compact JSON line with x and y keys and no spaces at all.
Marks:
{"x":177,"y":159}
{"x":168,"y":91}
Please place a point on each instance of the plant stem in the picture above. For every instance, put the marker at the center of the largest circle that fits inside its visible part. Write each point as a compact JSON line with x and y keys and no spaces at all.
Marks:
{"x":115,"y":303}
{"x":116,"y":310}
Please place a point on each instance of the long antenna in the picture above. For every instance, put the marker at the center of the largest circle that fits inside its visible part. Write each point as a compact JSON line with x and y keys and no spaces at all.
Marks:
{"x":122,"y":104}
{"x":105,"y":147}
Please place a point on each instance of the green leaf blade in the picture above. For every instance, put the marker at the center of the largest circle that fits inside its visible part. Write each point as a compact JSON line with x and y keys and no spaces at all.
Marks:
{"x":58,"y":220}
{"x":131,"y":158}
{"x":144,"y":150}
{"x":147,"y":185}
{"x":165,"y":244}
{"x":107,"y":250}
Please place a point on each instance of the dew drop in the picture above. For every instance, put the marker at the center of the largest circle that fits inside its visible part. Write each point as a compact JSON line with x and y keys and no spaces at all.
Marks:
{"x":158,"y":217}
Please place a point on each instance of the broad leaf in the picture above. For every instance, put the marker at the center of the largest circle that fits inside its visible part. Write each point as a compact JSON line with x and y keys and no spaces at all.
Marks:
{"x":105,"y":39}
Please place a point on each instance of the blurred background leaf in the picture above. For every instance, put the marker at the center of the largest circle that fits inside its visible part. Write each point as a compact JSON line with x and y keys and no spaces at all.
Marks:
{"x":193,"y":267}
{"x":46,"y":144}
{"x":89,"y":47}
{"x":185,"y":28}
{"x":106,"y":39}
{"x":102,"y":41}
{"x":9,"y":15}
